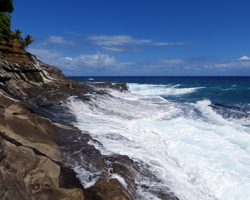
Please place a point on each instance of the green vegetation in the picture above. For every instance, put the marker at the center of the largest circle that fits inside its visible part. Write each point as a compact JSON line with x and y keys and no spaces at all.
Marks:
{"x":27,"y":41}
{"x":6,"y":8}
{"x":18,"y":33}
{"x":4,"y":25}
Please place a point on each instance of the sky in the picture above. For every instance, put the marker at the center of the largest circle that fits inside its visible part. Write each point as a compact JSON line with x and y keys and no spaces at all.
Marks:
{"x":138,"y":37}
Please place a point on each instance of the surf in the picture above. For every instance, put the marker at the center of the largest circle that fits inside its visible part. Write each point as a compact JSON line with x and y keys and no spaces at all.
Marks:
{"x":189,"y":147}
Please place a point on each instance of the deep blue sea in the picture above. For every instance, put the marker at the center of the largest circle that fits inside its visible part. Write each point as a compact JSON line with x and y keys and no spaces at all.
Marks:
{"x":216,"y":89}
{"x":192,"y":132}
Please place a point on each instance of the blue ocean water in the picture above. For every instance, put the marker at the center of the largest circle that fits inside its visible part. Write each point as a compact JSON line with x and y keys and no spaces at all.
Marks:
{"x":216,"y":89}
{"x":192,"y":132}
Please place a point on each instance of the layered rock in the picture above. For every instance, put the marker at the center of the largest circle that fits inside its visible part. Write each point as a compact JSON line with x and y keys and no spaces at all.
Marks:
{"x":30,"y":161}
{"x":34,"y":143}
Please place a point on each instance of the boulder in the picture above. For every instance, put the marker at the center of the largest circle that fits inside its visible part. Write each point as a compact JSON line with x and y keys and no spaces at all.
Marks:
{"x":26,"y":175}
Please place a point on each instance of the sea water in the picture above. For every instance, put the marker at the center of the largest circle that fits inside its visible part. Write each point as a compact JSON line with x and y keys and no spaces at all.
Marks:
{"x":192,"y":132}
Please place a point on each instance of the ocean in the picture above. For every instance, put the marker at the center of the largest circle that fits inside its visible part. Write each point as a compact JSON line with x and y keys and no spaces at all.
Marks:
{"x":193,"y":133}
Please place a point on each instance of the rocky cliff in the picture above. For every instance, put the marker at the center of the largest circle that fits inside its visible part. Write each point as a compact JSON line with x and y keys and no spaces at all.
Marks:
{"x":34,"y":143}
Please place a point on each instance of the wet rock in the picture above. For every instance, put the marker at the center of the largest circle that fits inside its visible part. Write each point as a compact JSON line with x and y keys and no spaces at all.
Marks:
{"x":105,"y":189}
{"x":105,"y":86}
{"x":68,"y":178}
{"x":135,"y":172}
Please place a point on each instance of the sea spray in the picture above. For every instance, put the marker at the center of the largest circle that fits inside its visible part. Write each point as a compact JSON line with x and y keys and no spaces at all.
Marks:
{"x":192,"y":149}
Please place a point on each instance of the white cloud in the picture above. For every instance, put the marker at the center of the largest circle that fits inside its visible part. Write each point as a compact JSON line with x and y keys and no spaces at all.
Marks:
{"x":60,"y":40}
{"x":116,"y":43}
{"x":222,"y":65}
{"x":161,"y":43}
{"x":52,"y":57}
{"x":100,"y":61}
{"x":69,"y":58}
{"x":45,"y":54}
{"x":89,"y":62}
{"x":107,"y":40}
{"x":198,"y":66}
{"x":121,"y":43}
{"x":171,"y":61}
{"x":170,"y":43}
{"x":244,"y":58}
{"x":97,"y":60}
{"x":243,"y":62}
{"x":114,"y":48}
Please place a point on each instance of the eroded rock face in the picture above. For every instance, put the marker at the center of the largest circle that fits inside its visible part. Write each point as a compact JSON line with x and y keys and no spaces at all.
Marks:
{"x":26,"y":175}
{"x":34,"y":143}
{"x":110,"y":189}
{"x":30,"y":161}
{"x":19,"y":125}
{"x":29,"y":158}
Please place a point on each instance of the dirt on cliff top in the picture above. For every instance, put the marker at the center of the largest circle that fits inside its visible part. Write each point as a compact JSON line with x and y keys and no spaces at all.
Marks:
{"x":12,"y":50}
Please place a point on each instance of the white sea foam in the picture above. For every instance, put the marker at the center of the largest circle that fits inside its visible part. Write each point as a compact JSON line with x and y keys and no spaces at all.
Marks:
{"x":194,"y":151}
{"x":87,"y":178}
{"x":166,"y":90}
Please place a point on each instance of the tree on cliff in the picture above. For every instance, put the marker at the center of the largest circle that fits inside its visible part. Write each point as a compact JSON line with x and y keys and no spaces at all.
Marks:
{"x":24,"y":42}
{"x":18,"y":33}
{"x":6,"y":8}
{"x":27,"y":41}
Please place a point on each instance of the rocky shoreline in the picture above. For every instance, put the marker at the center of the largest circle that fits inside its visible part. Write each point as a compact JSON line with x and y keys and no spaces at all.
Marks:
{"x":32,"y":162}
{"x":38,"y":144}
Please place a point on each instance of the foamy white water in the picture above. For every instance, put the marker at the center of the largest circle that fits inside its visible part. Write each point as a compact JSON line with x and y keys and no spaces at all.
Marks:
{"x":149,"y":89}
{"x":194,"y":151}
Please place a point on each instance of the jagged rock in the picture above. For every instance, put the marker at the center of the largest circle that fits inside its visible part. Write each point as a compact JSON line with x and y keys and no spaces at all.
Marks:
{"x":102,"y":85}
{"x":4,"y":77}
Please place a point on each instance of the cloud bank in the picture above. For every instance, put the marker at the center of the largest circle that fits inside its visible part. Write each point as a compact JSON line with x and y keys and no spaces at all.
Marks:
{"x":80,"y":64}
{"x":105,"y":64}
{"x":115,"y":43}
{"x":122,"y":43}
{"x":67,"y":54}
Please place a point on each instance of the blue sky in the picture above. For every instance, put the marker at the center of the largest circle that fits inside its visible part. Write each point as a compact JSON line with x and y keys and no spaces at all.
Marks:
{"x":138,"y":37}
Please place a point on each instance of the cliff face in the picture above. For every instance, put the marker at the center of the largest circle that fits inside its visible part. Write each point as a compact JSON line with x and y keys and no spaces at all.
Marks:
{"x":12,"y":51}
{"x":32,"y":163}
